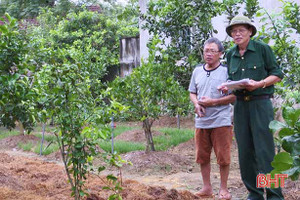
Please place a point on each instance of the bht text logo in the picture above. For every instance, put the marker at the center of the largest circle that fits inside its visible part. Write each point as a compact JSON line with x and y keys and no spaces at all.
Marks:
{"x":265,"y":181}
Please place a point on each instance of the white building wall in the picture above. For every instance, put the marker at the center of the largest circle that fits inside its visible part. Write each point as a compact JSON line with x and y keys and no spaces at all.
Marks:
{"x":144,"y":34}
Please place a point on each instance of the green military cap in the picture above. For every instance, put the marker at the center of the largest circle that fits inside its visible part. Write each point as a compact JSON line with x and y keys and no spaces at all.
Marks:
{"x":240,"y":20}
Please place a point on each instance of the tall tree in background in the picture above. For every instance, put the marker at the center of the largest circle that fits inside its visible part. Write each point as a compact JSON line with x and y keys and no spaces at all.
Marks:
{"x":23,"y":9}
{"x":17,"y":96}
{"x":187,"y":24}
{"x":283,"y":29}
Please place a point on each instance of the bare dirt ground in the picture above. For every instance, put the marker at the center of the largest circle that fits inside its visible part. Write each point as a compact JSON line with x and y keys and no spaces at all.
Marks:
{"x":167,"y":175}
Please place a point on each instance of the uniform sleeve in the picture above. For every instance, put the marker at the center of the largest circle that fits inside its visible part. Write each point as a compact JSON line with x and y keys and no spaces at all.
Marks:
{"x":192,"y":86}
{"x":271,"y":64}
{"x":227,"y":78}
{"x":228,"y":55}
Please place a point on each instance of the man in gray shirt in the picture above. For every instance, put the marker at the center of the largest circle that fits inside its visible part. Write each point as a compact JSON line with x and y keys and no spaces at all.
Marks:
{"x":213,"y":119}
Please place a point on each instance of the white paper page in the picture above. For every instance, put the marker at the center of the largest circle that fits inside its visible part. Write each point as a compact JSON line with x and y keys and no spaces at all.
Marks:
{"x":235,"y":85}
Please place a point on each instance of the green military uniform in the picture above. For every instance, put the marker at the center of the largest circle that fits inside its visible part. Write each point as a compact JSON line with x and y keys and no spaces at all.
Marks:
{"x":253,"y":112}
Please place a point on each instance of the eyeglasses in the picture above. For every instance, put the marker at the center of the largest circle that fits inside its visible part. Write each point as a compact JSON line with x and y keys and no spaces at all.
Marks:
{"x":241,"y":31}
{"x":211,"y":51}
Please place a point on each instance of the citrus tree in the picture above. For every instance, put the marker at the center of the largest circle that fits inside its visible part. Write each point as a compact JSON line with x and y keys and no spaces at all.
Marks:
{"x":76,"y":53}
{"x":187,"y":24}
{"x":148,"y":91}
{"x":78,"y":114}
{"x":282,"y":28}
{"x":55,"y":70}
{"x":17,"y":94}
{"x":184,"y":26}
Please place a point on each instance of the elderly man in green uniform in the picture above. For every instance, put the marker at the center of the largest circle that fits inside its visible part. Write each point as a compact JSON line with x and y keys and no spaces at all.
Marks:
{"x":253,"y":109}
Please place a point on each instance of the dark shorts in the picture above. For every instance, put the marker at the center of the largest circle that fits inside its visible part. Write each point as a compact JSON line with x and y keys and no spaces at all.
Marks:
{"x":218,"y":138}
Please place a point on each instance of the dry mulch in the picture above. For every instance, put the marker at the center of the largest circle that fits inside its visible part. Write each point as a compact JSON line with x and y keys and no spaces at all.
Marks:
{"x":34,"y":179}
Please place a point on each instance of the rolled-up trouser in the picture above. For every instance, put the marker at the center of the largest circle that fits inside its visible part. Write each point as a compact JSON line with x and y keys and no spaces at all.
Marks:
{"x":255,"y":144}
{"x":219,"y":139}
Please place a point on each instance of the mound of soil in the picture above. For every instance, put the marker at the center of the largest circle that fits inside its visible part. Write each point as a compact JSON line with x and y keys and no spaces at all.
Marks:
{"x":13,"y":141}
{"x":156,"y":162}
{"x":35,"y":179}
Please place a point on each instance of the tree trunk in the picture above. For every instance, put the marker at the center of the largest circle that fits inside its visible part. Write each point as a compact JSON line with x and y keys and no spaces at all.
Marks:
{"x":21,"y":128}
{"x":178,"y":121}
{"x":147,"y":129}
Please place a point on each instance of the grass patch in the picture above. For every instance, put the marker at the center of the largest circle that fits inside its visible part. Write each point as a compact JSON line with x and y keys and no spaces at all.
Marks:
{"x":118,"y":129}
{"x":48,"y":128}
{"x":6,"y":133}
{"x":47,"y":137}
{"x":122,"y":146}
{"x":25,"y":146}
{"x":53,"y":147}
{"x":171,"y":137}
{"x":122,"y":128}
{"x":35,"y":147}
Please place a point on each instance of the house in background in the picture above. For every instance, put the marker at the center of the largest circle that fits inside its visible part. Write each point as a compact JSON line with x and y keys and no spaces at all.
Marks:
{"x":129,"y":55}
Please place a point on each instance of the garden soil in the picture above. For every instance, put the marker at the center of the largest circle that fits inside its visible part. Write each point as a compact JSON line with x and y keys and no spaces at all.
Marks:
{"x":159,"y":175}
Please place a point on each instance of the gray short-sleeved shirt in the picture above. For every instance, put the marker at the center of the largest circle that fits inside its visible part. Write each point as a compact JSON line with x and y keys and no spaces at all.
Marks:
{"x":205,"y":83}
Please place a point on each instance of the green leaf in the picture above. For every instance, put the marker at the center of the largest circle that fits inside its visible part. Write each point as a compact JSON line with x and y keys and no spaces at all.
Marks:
{"x":291,"y":115}
{"x":85,"y":130}
{"x":101,"y":168}
{"x":111,"y":177}
{"x":276,"y":125}
{"x":286,"y":132}
{"x":291,"y":144}
{"x":282,"y":161}
{"x":292,"y":172}
{"x":295,"y":176}
{"x":3,"y":29}
{"x":259,"y":13}
{"x":106,"y":188}
{"x":79,"y":145}
{"x":114,"y":197}
{"x":8,"y":17}
{"x":81,"y":193}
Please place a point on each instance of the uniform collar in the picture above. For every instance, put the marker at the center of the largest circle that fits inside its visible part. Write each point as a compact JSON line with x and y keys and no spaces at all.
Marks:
{"x":250,"y":47}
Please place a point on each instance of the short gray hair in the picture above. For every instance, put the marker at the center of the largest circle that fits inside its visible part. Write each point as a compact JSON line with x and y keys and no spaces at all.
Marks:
{"x":216,"y":41}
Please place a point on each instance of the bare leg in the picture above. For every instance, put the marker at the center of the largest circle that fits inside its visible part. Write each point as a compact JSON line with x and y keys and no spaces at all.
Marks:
{"x":205,"y":171}
{"x":224,"y":171}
